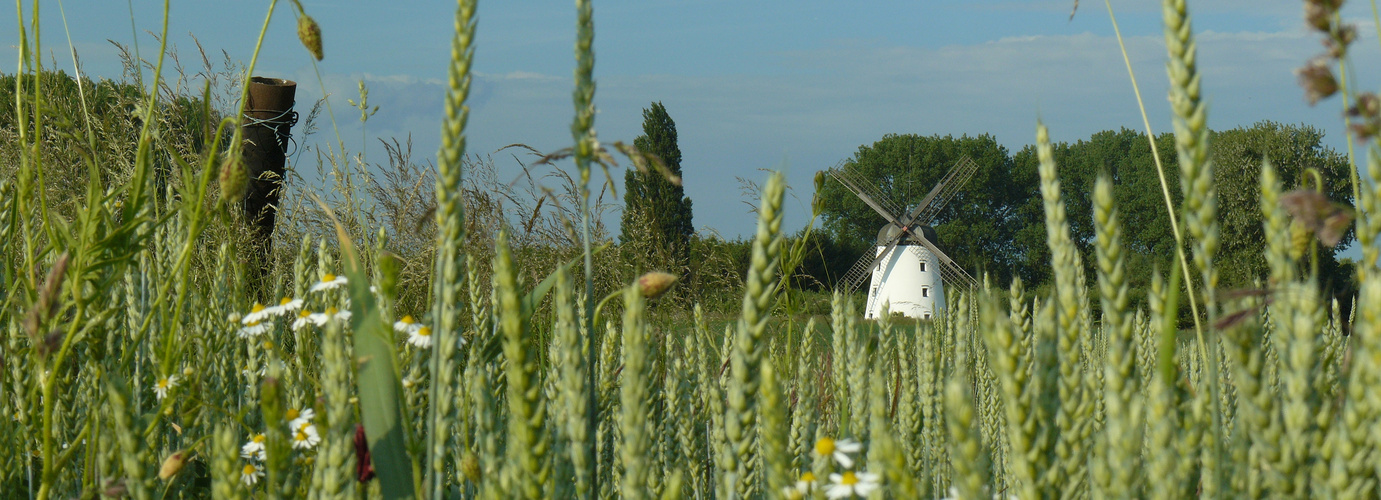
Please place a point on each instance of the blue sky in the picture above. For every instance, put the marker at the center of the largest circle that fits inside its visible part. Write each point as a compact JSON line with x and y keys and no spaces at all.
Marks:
{"x":793,"y":85}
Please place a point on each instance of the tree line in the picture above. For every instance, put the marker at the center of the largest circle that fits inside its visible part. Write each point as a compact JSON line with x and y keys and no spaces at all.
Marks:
{"x":995,"y":225}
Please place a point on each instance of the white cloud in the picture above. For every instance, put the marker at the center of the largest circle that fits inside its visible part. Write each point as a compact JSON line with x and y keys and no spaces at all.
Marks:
{"x":520,"y":75}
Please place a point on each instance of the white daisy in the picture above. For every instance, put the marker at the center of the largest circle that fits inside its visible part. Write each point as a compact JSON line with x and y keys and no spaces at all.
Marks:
{"x":802,"y":489}
{"x":164,"y":385}
{"x":255,"y":329}
{"x":406,"y":325}
{"x":254,"y":448}
{"x":305,"y":437}
{"x":284,"y":306}
{"x":303,"y":319}
{"x":251,"y":474}
{"x":840,"y":450}
{"x":256,"y":314}
{"x":421,"y":337}
{"x":328,"y":282}
{"x":321,"y":318}
{"x":296,"y":418}
{"x":848,"y":484}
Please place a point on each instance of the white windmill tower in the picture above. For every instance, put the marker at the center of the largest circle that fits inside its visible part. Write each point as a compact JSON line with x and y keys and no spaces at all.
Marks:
{"x":907,"y":271}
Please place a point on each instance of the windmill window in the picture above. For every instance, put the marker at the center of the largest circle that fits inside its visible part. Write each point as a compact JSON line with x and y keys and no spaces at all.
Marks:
{"x":922,"y":266}
{"x":925,"y":291}
{"x":925,"y":316}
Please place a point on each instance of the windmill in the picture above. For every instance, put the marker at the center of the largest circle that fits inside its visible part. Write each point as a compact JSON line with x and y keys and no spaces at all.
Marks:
{"x":907,"y":271}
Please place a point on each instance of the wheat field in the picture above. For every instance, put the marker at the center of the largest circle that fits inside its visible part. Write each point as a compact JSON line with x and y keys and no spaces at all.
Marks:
{"x":141,"y":359}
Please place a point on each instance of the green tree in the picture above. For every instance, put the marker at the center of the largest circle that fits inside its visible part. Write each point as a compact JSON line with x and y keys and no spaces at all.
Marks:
{"x":657,"y":213}
{"x":997,"y":225}
{"x":1126,"y":157}
{"x":1237,"y":158}
{"x":975,"y":228}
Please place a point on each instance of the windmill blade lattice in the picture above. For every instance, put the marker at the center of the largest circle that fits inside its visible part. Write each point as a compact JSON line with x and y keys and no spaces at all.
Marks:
{"x":953,"y":182}
{"x":862,"y":269}
{"x":857,"y":274}
{"x":950,"y":272}
{"x":868,"y":191}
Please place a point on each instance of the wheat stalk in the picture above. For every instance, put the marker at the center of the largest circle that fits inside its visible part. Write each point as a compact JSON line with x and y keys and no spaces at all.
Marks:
{"x":528,"y":465}
{"x":1066,"y":268}
{"x":742,"y":412}
{"x":450,"y":258}
{"x":1123,"y":428}
{"x":968,"y":455}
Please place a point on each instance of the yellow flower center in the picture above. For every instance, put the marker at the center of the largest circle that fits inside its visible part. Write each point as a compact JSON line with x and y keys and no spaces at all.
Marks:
{"x":252,"y":323}
{"x":257,"y":307}
{"x":328,"y":278}
{"x":824,"y":446}
{"x":163,"y":383}
{"x":260,"y":438}
{"x":425,"y":331}
{"x":268,"y":344}
{"x":301,"y":436}
{"x":331,"y":311}
{"x":407,"y":320}
{"x":808,"y":477}
{"x":285,"y":301}
{"x":293,"y":413}
{"x":304,"y":313}
{"x":849,"y":479}
{"x":249,"y":470}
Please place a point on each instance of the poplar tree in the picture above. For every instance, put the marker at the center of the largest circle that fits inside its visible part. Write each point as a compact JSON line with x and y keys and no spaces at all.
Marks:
{"x":657,"y":213}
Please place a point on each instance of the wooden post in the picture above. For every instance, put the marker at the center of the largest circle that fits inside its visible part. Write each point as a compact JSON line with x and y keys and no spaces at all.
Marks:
{"x":267,"y":129}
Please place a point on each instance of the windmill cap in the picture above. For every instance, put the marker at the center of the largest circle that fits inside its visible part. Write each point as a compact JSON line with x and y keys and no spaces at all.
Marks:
{"x":890,"y":231}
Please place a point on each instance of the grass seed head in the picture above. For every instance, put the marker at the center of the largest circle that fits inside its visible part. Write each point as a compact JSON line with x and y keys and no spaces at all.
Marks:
{"x":470,"y":467}
{"x":234,"y":180}
{"x":47,"y":303}
{"x":655,"y":283}
{"x":1317,"y":79}
{"x":172,"y":465}
{"x":310,"y":33}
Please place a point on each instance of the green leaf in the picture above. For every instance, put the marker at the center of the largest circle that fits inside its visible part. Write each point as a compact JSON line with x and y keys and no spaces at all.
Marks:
{"x":377,"y":378}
